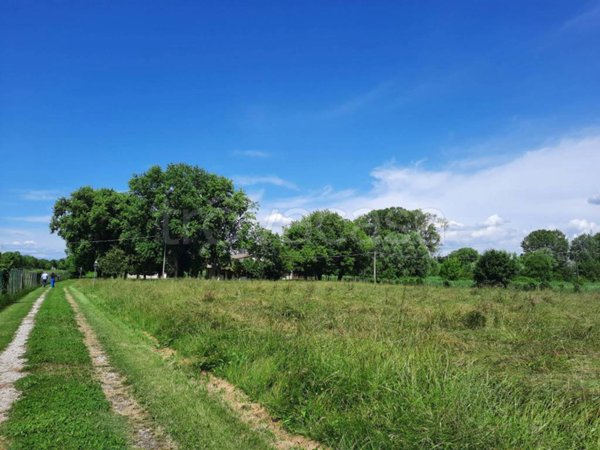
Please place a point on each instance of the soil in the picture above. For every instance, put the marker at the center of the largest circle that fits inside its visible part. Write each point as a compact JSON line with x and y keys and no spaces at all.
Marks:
{"x":12,"y":361}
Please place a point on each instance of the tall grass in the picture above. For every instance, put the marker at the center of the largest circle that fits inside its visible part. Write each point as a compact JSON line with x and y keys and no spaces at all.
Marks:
{"x":362,"y":366}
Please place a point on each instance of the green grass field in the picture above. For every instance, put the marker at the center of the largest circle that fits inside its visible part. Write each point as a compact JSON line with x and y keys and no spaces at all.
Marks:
{"x":12,"y":315}
{"x":361,"y":366}
{"x":351,"y":365}
{"x":62,"y":406}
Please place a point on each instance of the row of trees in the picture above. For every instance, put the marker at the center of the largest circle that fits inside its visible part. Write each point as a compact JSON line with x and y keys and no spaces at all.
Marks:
{"x":15,"y":260}
{"x":193,"y":222}
{"x":547,"y":255}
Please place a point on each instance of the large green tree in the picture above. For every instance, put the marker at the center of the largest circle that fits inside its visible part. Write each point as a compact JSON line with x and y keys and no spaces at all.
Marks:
{"x":195,"y":214}
{"x":324,"y":243}
{"x":553,"y":241}
{"x":585,"y":253}
{"x":400,"y":221}
{"x":91,"y":221}
{"x":401,"y":255}
{"x":266,"y":255}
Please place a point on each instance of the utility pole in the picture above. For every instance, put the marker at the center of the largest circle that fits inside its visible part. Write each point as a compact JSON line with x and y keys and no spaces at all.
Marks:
{"x":95,"y":271}
{"x":164,"y":258}
{"x":375,"y":267}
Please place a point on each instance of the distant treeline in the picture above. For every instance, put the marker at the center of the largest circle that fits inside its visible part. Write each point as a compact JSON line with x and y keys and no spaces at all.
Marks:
{"x":15,"y":260}
{"x":198,"y":224}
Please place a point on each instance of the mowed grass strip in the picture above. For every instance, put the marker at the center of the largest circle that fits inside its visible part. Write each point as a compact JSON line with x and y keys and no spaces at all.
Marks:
{"x":362,"y":366}
{"x":12,"y":316}
{"x":169,"y":392}
{"x":62,"y":406}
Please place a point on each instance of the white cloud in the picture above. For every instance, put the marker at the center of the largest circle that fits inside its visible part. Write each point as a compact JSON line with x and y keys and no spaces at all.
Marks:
{"x":244,"y":180}
{"x":359,"y":101}
{"x":40,"y":195}
{"x":493,"y":221}
{"x":275,"y":220}
{"x":31,"y":219}
{"x":588,"y":19}
{"x":583,"y":226}
{"x":489,"y":207}
{"x":37,"y":242}
{"x":594,"y":200}
{"x":252,"y":153}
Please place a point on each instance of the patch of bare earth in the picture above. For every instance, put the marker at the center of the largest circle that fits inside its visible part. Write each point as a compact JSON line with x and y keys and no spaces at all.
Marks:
{"x":12,"y":361}
{"x":146,"y":435}
{"x":252,"y":414}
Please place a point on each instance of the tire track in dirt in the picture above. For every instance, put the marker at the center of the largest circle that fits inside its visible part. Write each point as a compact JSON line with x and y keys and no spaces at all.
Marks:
{"x":12,"y":361}
{"x":252,"y":414}
{"x":146,"y":435}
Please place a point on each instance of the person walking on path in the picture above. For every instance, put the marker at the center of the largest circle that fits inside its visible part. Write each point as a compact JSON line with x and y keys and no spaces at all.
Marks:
{"x":44,"y":279}
{"x":52,"y":279}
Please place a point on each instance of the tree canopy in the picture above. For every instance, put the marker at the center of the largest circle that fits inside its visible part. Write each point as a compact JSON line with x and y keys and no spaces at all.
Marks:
{"x":325,"y":243}
{"x":585,"y":253}
{"x":193,"y":214}
{"x":495,"y":268}
{"x":381,"y":222}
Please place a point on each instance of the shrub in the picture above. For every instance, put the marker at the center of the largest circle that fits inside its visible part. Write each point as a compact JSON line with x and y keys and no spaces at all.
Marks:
{"x":451,"y":269}
{"x":495,"y":268}
{"x":539,"y":264}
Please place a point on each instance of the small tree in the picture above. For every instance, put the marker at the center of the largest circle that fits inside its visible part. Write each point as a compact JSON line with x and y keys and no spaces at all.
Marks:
{"x":268,"y":259}
{"x":553,"y":241}
{"x":539,"y":264}
{"x":495,"y":268}
{"x":114,"y":263}
{"x":451,"y":269}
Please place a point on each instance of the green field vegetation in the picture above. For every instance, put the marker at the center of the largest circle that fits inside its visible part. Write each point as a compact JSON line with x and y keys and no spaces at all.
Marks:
{"x":62,"y":406}
{"x":183,"y":408}
{"x":12,"y":316}
{"x":361,"y":366}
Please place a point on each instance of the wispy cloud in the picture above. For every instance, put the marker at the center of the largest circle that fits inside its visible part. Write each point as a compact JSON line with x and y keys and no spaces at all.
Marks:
{"x":245,"y":180}
{"x":31,"y":219}
{"x":583,"y":226}
{"x":358,"y":102}
{"x":40,"y":195}
{"x":36,"y":242}
{"x":586,"y":20}
{"x":252,"y":154}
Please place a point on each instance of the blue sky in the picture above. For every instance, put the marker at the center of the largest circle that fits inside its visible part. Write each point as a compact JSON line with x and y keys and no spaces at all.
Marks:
{"x":486,"y":113}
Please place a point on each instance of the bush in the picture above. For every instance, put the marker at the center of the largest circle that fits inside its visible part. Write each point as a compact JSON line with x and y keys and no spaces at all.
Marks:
{"x":539,"y":264}
{"x":451,"y":269}
{"x":495,"y":268}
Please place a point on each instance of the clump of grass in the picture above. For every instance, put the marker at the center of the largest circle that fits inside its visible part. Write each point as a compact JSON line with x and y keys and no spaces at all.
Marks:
{"x":209,"y":297}
{"x":474,"y":320}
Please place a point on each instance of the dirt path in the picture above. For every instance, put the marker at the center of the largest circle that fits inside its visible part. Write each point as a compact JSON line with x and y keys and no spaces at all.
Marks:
{"x":252,"y":414}
{"x":145,"y":434}
{"x":12,"y":361}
